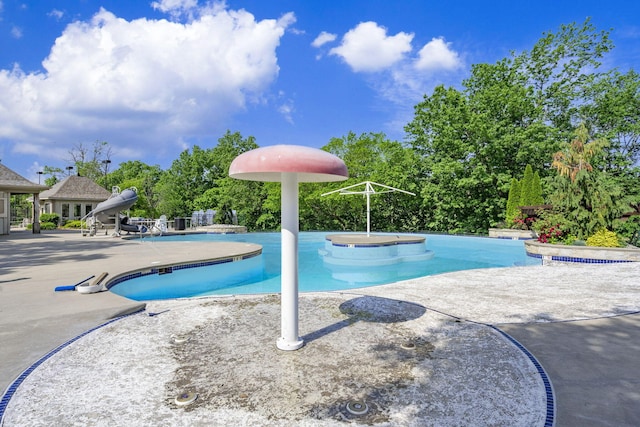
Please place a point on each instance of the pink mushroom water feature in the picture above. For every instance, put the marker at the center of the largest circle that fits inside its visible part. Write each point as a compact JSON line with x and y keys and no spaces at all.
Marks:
{"x":289,"y":165}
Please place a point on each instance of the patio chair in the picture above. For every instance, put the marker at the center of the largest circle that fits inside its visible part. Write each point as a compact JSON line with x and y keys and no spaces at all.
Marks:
{"x":161,"y":224}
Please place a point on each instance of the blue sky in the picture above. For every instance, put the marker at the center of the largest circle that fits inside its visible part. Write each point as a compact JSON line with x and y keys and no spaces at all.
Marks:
{"x":153,"y":78}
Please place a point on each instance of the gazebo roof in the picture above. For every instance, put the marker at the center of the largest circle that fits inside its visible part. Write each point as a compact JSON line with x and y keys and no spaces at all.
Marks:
{"x":14,"y":183}
{"x":76,"y":188}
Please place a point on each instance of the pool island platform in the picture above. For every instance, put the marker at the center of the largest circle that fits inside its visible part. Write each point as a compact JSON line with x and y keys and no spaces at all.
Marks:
{"x":374,"y":249}
{"x":374,"y":239}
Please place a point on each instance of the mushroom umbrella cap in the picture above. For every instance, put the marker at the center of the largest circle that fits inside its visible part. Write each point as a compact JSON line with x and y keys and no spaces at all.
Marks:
{"x":269,"y":163}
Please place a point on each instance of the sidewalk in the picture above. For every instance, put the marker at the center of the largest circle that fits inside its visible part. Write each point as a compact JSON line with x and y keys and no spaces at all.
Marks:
{"x":34,"y":319}
{"x":594,"y":367}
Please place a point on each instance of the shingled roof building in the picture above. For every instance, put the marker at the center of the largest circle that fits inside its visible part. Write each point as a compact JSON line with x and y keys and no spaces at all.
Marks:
{"x":13,"y":183}
{"x":73,"y":197}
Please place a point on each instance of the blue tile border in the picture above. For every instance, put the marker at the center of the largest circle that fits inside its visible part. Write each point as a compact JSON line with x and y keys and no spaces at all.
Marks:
{"x":514,"y":238}
{"x":175,"y":267}
{"x":372,"y":245}
{"x":577,"y":259}
{"x":11,"y":390}
{"x":551,"y":406}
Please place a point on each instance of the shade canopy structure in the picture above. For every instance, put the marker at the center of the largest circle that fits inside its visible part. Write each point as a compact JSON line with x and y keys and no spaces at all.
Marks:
{"x":289,"y":165}
{"x":369,"y":189}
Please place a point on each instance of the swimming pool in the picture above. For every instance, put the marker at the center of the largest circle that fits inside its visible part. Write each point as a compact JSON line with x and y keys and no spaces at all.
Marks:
{"x":261,"y":274}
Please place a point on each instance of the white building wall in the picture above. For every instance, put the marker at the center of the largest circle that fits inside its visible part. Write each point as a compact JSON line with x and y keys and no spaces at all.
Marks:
{"x":5,"y":220}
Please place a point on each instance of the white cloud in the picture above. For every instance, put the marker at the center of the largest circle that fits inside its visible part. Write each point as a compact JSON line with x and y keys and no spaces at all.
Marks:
{"x":33,"y":175}
{"x":16,"y":32}
{"x":57,"y":14}
{"x":368,"y":48}
{"x":176,"y":8}
{"x":323,"y":38}
{"x":287,"y":19}
{"x":287,"y":111}
{"x":437,"y":55}
{"x":141,"y":85}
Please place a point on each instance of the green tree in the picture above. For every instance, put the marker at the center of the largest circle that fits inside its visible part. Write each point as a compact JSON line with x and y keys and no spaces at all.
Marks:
{"x":465,"y":185}
{"x":369,"y":157}
{"x":536,"y":198}
{"x":578,"y":155}
{"x":228,"y":194}
{"x":270,"y":212}
{"x":513,"y":201}
{"x":20,"y":207}
{"x":187,"y":179}
{"x":54,"y":175}
{"x":614,"y":114}
{"x":142,"y":176}
{"x":531,"y":188}
{"x":527,"y":187}
{"x":589,"y":198}
{"x":509,"y":114}
{"x":93,"y":161}
{"x":561,"y":67}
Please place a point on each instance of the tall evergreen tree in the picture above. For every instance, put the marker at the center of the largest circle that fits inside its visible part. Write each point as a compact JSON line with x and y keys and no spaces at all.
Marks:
{"x":526,"y":187}
{"x":513,"y":201}
{"x":537,"y":198}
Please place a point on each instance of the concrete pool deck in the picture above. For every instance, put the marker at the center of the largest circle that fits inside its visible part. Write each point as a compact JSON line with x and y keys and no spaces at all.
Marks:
{"x":581,"y":323}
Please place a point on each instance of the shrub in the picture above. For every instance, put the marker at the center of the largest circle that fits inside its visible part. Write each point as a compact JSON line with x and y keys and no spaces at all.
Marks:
{"x":553,"y":228}
{"x":604,"y":238}
{"x":628,"y":229}
{"x":523,"y":222}
{"x":570,"y":239}
{"x":74,"y":223}
{"x":50,"y":217}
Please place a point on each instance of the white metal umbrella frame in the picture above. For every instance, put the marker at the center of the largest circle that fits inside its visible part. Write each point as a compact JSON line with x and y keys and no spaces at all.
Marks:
{"x":369,"y":189}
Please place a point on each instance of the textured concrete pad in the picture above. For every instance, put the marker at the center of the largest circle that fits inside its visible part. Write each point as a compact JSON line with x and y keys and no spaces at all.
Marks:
{"x":408,"y":365}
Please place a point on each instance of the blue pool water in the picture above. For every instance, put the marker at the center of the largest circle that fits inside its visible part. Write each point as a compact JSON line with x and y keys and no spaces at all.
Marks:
{"x":261,"y":274}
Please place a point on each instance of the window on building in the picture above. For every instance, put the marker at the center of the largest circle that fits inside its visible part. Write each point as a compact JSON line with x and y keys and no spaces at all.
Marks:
{"x":65,"y":210}
{"x":87,"y":209}
{"x":77,"y":211}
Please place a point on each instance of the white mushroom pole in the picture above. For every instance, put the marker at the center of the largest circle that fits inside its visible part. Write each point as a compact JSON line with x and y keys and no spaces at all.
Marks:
{"x":289,"y":339}
{"x":289,"y":165}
